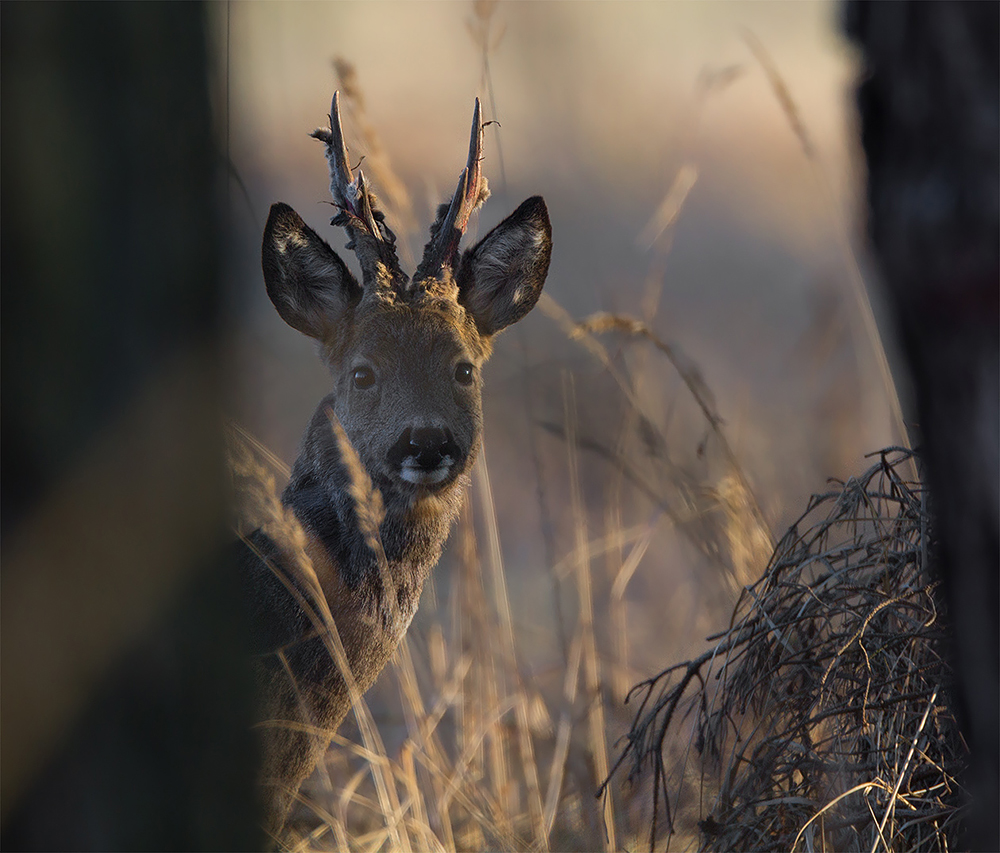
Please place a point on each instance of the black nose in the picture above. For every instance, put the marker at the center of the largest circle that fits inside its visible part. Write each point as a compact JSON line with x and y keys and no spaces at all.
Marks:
{"x":427,"y":446}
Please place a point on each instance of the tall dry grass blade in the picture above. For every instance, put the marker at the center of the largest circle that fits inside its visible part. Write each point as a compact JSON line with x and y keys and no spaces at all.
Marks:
{"x":591,"y":662}
{"x":689,"y":373}
{"x":484,"y":743}
{"x":669,"y":209}
{"x":497,"y":748}
{"x":309,"y":841}
{"x":423,"y":726}
{"x":605,"y":545}
{"x":552,"y":309}
{"x":631,"y":563}
{"x":465,"y":719}
{"x":633,"y":421}
{"x":495,"y":562}
{"x":893,"y":797}
{"x":653,"y":239}
{"x":544,"y":513}
{"x":617,"y":606}
{"x":476,"y":625}
{"x":369,"y":512}
{"x":239,"y":434}
{"x":460,"y":773}
{"x":421,"y":736}
{"x":563,"y":732}
{"x":408,"y":772}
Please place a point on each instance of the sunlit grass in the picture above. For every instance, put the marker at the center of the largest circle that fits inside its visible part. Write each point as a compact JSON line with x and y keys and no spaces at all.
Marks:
{"x":488,"y":742}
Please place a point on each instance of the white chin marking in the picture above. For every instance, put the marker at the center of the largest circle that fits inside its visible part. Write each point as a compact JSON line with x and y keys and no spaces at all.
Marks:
{"x":421,"y":477}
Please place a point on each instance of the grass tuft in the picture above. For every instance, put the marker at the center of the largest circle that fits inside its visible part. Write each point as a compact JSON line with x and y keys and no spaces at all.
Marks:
{"x":820,"y":718}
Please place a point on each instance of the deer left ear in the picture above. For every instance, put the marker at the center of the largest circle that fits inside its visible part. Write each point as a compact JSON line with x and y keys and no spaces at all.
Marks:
{"x":501,"y":277}
{"x":307,"y":281}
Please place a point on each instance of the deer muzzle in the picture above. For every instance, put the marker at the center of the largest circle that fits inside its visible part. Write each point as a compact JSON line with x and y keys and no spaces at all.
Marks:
{"x":425,"y":456}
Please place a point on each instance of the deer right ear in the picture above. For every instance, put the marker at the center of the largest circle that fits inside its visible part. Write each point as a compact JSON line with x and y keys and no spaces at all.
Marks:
{"x":501,"y":277}
{"x":308,"y":283}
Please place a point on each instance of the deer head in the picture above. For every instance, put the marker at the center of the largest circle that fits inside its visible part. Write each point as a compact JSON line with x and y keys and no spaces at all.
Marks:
{"x":406,"y":354}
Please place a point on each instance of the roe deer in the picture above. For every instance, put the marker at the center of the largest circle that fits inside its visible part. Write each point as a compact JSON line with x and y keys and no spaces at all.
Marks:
{"x":406,"y":404}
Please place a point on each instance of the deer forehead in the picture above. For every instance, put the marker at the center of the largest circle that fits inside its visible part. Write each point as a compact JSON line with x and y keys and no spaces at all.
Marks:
{"x":425,"y":331}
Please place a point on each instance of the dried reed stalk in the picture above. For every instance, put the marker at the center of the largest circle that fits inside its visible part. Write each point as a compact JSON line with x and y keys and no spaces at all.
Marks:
{"x":502,"y":600}
{"x":591,"y":662}
{"x":706,"y":516}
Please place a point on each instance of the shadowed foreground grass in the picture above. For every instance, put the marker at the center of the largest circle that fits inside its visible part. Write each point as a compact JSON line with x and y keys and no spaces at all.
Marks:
{"x":820,"y":719}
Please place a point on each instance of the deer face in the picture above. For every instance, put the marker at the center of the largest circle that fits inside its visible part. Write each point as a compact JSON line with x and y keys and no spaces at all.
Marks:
{"x":408,"y":392}
{"x":407,"y":357}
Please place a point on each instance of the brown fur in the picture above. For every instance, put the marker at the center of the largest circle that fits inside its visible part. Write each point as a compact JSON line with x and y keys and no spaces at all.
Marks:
{"x":406,"y":360}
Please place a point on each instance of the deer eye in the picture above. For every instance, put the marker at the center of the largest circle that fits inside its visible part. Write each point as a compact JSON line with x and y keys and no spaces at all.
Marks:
{"x":364,"y":377}
{"x":464,"y":373}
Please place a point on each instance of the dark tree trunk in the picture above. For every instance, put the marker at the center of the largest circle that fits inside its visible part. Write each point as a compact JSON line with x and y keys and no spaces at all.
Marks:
{"x":928,"y":106}
{"x":126,"y":719}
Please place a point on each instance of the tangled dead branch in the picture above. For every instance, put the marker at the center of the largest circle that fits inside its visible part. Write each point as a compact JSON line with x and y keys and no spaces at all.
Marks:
{"x":821,"y":716}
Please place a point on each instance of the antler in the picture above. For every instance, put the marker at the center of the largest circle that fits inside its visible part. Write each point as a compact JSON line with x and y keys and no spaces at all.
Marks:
{"x":371,"y":239}
{"x":472,"y":191}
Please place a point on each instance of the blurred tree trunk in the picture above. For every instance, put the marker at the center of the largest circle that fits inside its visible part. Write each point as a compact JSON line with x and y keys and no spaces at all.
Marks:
{"x":928,"y":105}
{"x":126,"y":712}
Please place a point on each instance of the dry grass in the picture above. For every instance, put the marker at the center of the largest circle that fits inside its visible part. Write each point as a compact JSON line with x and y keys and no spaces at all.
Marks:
{"x":821,"y":716}
{"x":487,"y":761}
{"x":484,"y":752}
{"x":254,"y":471}
{"x":818,"y":715}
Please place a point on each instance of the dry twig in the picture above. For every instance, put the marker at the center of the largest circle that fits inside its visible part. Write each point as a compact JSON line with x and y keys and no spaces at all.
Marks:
{"x":821,"y":715}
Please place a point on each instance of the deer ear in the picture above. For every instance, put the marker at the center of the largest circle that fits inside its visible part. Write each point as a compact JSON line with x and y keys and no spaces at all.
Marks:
{"x":308,"y":283}
{"x":501,"y":277}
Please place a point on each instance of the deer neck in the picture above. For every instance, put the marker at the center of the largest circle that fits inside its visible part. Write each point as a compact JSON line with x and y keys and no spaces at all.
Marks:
{"x":412,"y":532}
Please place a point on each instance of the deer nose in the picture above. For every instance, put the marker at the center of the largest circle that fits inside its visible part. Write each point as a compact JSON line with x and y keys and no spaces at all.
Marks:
{"x":424,"y":449}
{"x":429,"y":445}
